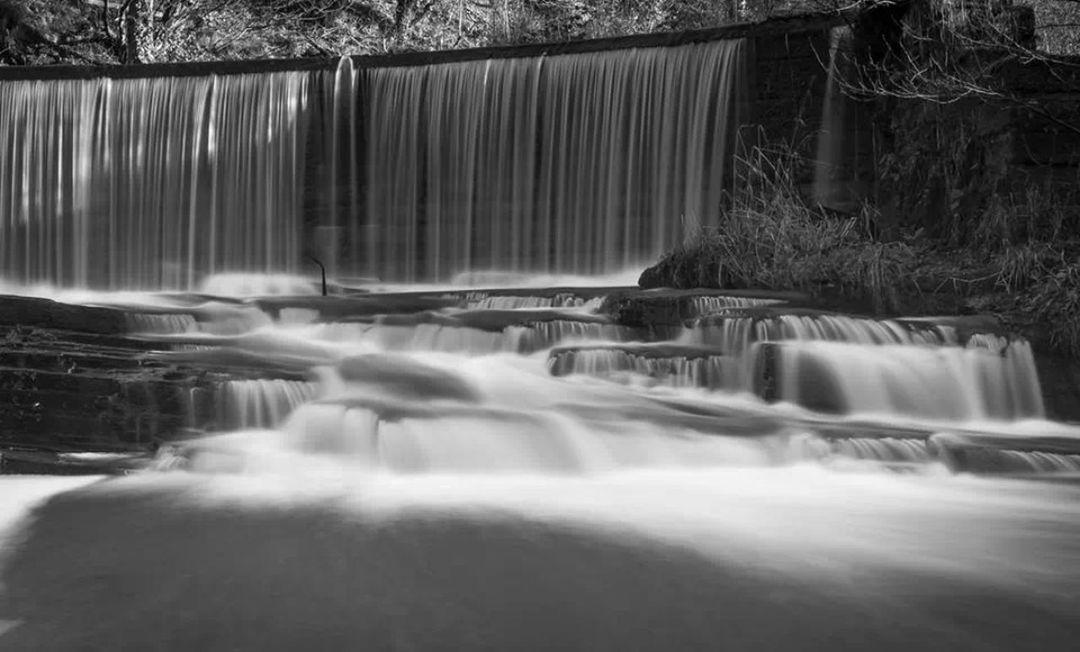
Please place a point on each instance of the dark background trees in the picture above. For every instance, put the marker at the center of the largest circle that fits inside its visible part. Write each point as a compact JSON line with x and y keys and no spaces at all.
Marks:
{"x":128,"y":31}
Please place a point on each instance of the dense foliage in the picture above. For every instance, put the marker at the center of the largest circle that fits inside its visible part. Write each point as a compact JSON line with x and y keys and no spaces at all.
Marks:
{"x":124,"y":31}
{"x":44,"y":31}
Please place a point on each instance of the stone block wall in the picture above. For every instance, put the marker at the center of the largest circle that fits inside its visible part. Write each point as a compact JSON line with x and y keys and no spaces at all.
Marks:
{"x":1047,"y":128}
{"x":790,"y":79}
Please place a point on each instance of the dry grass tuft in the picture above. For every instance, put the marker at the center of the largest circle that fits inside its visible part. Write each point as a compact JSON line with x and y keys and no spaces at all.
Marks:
{"x":773,"y":238}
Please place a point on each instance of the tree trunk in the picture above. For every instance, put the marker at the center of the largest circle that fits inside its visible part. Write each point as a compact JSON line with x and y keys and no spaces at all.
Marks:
{"x":131,"y":39}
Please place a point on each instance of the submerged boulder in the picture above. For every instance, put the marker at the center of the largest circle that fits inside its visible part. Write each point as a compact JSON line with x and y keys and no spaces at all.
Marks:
{"x":406,"y":378}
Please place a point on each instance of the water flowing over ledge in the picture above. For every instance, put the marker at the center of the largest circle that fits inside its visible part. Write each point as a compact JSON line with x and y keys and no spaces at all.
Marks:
{"x":562,"y":164}
{"x":789,"y":382}
{"x":146,"y":183}
{"x":760,"y":447}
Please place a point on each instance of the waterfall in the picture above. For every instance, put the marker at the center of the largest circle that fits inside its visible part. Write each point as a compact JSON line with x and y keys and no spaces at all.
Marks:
{"x":583,"y":163}
{"x":150,"y":183}
{"x":261,"y":403}
{"x":571,"y":163}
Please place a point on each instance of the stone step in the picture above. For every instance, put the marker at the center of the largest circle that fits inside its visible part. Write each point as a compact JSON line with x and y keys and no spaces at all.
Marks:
{"x":666,"y":307}
{"x":36,"y":462}
{"x":345,"y":308}
{"x":34,"y":312}
{"x":663,"y":362}
{"x":1000,"y":454}
{"x":517,"y":298}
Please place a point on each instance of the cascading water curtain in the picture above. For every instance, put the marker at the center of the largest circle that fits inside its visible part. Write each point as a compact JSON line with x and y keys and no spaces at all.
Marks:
{"x":150,"y":183}
{"x":582,"y":163}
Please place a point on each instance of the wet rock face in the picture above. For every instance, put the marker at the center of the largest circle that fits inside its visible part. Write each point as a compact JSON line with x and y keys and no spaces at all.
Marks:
{"x":661,"y":310}
{"x":45,"y":313}
{"x":73,"y":378}
{"x":70,"y":389}
{"x":1060,"y":380}
{"x":403,"y":377}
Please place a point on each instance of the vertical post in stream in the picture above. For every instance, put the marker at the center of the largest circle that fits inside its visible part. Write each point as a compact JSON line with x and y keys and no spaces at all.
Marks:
{"x":323,"y":268}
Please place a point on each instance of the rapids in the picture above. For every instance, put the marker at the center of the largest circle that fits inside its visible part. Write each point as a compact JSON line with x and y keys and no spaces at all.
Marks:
{"x":466,"y":468}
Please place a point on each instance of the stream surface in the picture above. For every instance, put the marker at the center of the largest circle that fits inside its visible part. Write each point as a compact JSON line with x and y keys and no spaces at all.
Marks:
{"x":510,"y":470}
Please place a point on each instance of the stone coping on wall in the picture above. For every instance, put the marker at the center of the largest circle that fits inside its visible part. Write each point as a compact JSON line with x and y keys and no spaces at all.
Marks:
{"x":794,"y":24}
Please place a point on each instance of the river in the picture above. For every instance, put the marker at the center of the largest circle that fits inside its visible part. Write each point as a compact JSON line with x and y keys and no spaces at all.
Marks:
{"x":517,"y":472}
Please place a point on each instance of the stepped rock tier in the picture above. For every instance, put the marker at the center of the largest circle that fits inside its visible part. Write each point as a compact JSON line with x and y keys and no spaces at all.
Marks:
{"x":134,"y":373}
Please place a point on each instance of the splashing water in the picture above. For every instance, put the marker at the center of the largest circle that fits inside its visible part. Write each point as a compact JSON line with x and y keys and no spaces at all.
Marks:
{"x":468,"y":484}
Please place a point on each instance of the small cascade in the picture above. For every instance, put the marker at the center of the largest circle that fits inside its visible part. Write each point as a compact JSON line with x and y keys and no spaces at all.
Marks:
{"x":840,"y":328}
{"x":217,"y":318}
{"x":1005,"y":454}
{"x":211,"y":318}
{"x":707,"y":305}
{"x":893,"y":452}
{"x":883,"y":449}
{"x":671,"y":368}
{"x":161,"y":323}
{"x":546,"y":334}
{"x":486,"y":301}
{"x":734,"y":333}
{"x":469,"y":333}
{"x":487,"y":439}
{"x":413,"y":413}
{"x":824,"y":362}
{"x":450,"y":441}
{"x":260,"y":403}
{"x":936,"y":383}
{"x":445,"y":337}
{"x":1008,"y":377}
{"x":1007,"y":462}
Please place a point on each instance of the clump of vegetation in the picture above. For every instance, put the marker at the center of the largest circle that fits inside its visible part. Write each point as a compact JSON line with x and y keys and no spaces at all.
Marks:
{"x":1055,"y":301}
{"x":1043,"y":281}
{"x":773,"y":237}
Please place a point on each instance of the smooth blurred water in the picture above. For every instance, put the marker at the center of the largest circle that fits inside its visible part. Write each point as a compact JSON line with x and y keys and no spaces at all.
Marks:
{"x":448,"y":487}
{"x":796,"y":558}
{"x":561,"y":165}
